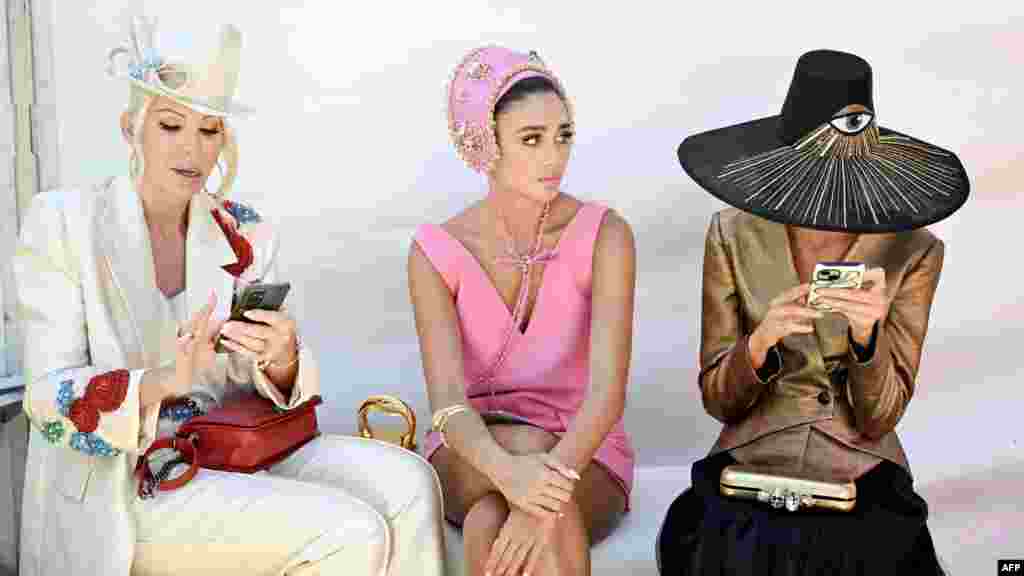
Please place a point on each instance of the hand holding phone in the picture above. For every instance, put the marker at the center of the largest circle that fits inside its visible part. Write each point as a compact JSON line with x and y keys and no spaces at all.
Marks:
{"x":256,"y":296}
{"x":859,"y":295}
{"x":834,"y":275}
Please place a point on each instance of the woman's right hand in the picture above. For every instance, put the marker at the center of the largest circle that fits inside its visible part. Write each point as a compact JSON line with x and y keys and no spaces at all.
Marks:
{"x":537,"y":483}
{"x":786,"y":315}
{"x":195,"y":352}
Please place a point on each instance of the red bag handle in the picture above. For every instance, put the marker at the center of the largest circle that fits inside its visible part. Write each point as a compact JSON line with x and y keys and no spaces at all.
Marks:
{"x":150,"y":483}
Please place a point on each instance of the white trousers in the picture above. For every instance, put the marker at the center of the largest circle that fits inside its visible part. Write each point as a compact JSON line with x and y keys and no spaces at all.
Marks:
{"x":339,"y":505}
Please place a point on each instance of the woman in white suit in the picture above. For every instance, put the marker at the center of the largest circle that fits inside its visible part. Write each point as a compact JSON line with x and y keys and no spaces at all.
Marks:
{"x":123,"y":288}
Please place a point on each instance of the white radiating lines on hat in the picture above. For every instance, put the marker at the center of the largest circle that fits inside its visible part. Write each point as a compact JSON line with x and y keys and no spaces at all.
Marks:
{"x":832,"y":178}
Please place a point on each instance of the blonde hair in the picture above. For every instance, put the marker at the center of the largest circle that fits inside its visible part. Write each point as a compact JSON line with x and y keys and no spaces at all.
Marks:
{"x":138,"y":104}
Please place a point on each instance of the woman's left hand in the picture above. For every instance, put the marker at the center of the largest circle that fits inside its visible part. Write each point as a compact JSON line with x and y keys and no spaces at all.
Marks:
{"x":519,"y":544}
{"x":862,"y":308}
{"x":273,"y":343}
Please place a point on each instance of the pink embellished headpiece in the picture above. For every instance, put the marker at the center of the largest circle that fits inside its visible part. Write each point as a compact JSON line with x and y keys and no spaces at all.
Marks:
{"x":479,"y":81}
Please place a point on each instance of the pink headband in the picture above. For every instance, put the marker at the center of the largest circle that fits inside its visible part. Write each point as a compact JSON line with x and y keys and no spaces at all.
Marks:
{"x":479,"y":81}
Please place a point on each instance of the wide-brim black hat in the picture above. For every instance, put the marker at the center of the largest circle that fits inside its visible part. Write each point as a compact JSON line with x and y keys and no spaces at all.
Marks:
{"x":824,"y":163}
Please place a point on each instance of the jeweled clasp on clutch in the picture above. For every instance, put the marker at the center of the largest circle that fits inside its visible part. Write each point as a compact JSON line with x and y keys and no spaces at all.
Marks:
{"x":780,"y":497}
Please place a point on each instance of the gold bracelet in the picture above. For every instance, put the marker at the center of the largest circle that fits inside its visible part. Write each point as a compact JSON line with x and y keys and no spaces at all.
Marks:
{"x":440,"y":419}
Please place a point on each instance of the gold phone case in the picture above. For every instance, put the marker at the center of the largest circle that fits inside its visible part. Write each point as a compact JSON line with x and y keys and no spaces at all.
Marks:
{"x":783,"y":491}
{"x":834,"y":275}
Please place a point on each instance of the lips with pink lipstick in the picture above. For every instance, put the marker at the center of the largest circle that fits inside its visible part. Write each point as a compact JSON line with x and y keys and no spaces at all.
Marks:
{"x":190,"y":173}
{"x":551,"y":180}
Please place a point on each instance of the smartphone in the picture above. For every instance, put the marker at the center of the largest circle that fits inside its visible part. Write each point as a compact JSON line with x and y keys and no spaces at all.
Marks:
{"x":834,"y":275}
{"x":256,"y":296}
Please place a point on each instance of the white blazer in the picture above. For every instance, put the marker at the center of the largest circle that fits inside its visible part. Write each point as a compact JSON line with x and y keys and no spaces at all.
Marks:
{"x":88,"y":303}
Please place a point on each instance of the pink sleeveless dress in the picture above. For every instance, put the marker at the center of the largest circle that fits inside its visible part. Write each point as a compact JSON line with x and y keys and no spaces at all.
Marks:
{"x":546,"y":370}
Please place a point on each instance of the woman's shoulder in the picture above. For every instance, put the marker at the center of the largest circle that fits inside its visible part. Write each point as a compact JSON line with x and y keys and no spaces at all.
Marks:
{"x":61,"y":207}
{"x":466,"y":224}
{"x":731,"y":220}
{"x":911,"y":246}
{"x":73,"y":199}
{"x":608,"y":226}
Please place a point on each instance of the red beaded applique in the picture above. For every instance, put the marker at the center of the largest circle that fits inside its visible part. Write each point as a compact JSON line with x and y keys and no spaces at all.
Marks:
{"x":107,"y":391}
{"x":84,"y":416}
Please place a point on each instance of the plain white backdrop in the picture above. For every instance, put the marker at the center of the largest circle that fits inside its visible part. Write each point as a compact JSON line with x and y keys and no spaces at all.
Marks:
{"x":349,"y":152}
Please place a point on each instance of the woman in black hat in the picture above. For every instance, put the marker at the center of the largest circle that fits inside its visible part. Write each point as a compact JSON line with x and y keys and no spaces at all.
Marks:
{"x":813,"y":392}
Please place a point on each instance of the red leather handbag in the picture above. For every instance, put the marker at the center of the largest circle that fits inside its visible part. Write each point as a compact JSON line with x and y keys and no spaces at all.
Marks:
{"x":245,"y":434}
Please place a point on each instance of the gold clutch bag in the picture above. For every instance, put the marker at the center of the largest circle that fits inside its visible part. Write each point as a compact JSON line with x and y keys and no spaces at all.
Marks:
{"x":789,"y":492}
{"x":389,"y":405}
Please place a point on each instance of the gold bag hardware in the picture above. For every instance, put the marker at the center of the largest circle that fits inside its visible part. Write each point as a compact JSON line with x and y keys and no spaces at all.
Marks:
{"x":389,"y":405}
{"x":783,"y":491}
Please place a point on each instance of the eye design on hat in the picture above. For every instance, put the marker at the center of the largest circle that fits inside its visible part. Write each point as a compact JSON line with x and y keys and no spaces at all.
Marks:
{"x":845,"y":171}
{"x":852,"y":120}
{"x":824,"y":162}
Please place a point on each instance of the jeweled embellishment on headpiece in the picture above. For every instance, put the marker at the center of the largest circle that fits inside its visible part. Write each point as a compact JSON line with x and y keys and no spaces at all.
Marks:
{"x":476,"y":84}
{"x":478,"y":70}
{"x":470,"y":139}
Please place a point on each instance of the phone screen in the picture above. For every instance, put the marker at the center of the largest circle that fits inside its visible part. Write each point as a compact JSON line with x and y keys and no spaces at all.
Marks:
{"x":255,"y":296}
{"x":259,"y":297}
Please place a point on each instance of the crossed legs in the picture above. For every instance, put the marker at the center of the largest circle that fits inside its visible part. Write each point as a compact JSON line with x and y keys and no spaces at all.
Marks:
{"x":472,"y":501}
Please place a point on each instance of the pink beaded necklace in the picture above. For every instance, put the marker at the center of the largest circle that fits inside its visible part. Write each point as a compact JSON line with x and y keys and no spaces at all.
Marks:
{"x":525,"y":262}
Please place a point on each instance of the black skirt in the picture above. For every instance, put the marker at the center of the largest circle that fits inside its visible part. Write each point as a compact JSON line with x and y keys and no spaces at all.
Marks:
{"x":707,"y":534}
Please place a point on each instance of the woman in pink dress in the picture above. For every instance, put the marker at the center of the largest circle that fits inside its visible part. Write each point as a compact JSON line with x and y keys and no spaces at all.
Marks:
{"x":524,"y":310}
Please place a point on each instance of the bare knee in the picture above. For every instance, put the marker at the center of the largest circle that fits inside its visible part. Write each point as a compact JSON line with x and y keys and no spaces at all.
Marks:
{"x":461,"y":484}
{"x":482,"y":524}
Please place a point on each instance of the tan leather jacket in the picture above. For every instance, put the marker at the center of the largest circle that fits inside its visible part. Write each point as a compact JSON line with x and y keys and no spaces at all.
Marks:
{"x":823,"y":413}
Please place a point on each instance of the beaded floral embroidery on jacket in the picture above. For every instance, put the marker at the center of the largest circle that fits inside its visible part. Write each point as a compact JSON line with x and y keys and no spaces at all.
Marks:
{"x":105,"y":392}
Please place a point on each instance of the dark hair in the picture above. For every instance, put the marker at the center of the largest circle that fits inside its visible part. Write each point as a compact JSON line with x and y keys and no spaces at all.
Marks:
{"x":524,"y":88}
